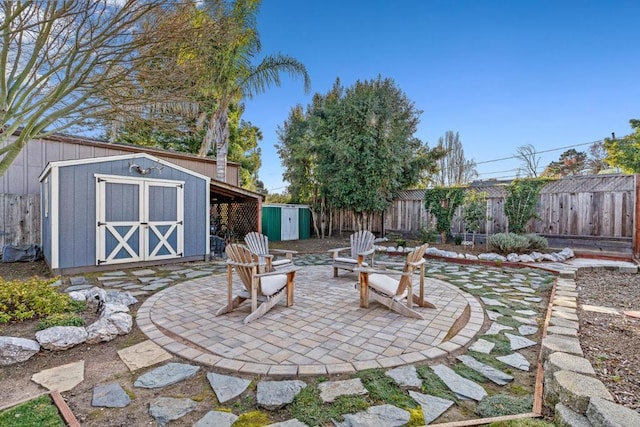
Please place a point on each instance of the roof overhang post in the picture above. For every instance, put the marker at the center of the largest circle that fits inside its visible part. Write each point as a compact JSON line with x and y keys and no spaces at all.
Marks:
{"x":636,"y":217}
{"x":259,"y":224}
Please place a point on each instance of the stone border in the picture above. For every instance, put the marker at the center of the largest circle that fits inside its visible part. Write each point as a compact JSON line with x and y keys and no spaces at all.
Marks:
{"x":577,"y":397}
{"x":458,"y":341}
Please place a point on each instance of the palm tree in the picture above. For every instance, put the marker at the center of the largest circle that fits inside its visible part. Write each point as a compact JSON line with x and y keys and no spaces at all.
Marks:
{"x":233,"y":75}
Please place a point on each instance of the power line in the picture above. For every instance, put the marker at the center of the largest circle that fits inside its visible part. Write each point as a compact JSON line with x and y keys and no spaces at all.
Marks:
{"x":539,"y":152}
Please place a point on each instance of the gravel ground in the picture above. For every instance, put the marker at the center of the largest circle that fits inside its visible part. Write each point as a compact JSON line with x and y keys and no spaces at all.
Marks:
{"x":612,"y":342}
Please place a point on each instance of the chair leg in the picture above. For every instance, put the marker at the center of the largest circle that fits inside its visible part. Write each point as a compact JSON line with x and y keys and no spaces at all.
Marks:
{"x":364,"y":290}
{"x":422,"y":302}
{"x":235,"y":303}
{"x":335,"y":272}
{"x":290,"y":285}
{"x":264,"y":308}
{"x":396,"y":306}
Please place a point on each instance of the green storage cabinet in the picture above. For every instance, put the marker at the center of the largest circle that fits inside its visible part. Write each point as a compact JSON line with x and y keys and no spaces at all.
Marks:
{"x":286,"y":222}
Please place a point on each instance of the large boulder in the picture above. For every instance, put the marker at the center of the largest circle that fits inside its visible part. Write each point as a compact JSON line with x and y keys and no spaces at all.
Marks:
{"x":16,"y":350}
{"x":61,"y":337}
{"x":101,"y":330}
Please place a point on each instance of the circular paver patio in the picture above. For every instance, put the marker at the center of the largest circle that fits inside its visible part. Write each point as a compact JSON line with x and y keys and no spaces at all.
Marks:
{"x":324,"y":332}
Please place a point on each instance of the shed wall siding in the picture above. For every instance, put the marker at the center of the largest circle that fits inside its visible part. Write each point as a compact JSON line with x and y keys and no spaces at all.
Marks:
{"x":78,"y":208}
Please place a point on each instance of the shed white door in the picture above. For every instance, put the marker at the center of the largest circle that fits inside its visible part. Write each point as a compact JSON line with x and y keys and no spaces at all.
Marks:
{"x":289,"y":224}
{"x":138,"y":219}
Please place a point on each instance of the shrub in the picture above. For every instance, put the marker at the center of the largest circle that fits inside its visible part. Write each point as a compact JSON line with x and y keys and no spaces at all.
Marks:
{"x":428,"y":234}
{"x":537,"y":243}
{"x":60,"y":319}
{"x":21,"y":300}
{"x":506,"y":243}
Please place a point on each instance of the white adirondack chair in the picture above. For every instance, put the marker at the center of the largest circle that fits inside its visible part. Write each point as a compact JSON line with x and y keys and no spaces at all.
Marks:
{"x":361,"y":247}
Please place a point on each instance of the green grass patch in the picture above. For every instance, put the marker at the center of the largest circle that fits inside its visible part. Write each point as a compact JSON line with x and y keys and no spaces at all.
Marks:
{"x":60,"y":319}
{"x":432,"y":384}
{"x":502,"y":346}
{"x":509,"y":321}
{"x":39,"y":412}
{"x":308,"y":408}
{"x":502,"y":404}
{"x":383,"y":388}
{"x":468,"y":373}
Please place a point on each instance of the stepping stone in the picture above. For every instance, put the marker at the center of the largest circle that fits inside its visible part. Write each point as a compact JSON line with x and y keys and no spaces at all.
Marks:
{"x":496,"y":328}
{"x":528,"y":313}
{"x":462,"y":387}
{"x":525,"y":320}
{"x":598,"y":309}
{"x":567,"y":362}
{"x":561,"y":343}
{"x":165,"y":409}
{"x":141,"y":355}
{"x":331,"y":390}
{"x":601,"y":412}
{"x":217,"y":419}
{"x":227,"y":387}
{"x":491,"y":301}
{"x":555,"y":321}
{"x":517,"y":342}
{"x":154,"y":286}
{"x":196,"y":274}
{"x":473,"y":286}
{"x":525,"y":289}
{"x":559,"y":330}
{"x":632,"y":313}
{"x":533,"y":299}
{"x":115,"y":273}
{"x":516,"y":360}
{"x":168,"y":374}
{"x":527,"y":330}
{"x":432,"y":406}
{"x":482,"y":346}
{"x":131,"y":286}
{"x":274,"y":395}
{"x":495,"y":375}
{"x":75,"y":288}
{"x":77,"y":281}
{"x":56,"y":283}
{"x":493,"y":315}
{"x":405,"y":377}
{"x":383,"y":415}
{"x":145,"y":272}
{"x":110,"y":396}
{"x":61,"y":378}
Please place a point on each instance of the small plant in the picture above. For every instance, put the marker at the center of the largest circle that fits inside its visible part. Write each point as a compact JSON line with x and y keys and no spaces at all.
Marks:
{"x":428,"y":234}
{"x":537,"y":243}
{"x":22,"y":300}
{"x":457,"y":240}
{"x":60,"y":319}
{"x":506,"y":243}
{"x":501,"y":404}
{"x":401,"y":242}
{"x":252,"y":419}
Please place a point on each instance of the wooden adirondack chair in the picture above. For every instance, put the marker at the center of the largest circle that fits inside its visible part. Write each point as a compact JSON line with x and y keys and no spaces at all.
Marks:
{"x":361,"y":247}
{"x":377,"y":285}
{"x":258,"y":244}
{"x":269,"y":288}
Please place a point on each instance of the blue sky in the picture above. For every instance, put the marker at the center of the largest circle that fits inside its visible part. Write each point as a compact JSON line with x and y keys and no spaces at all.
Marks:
{"x":501,"y":73}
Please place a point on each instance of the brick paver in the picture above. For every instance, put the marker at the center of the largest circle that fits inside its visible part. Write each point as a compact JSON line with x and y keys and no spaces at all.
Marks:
{"x":324,"y":331}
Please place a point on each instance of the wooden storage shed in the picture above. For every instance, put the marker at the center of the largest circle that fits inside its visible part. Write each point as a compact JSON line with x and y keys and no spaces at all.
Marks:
{"x":135,"y":209}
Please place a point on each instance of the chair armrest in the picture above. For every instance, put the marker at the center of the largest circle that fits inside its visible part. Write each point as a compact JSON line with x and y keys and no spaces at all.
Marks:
{"x":390,"y":263}
{"x":282,"y":271}
{"x":369,"y":252}
{"x":387,"y":272}
{"x":243,"y":264}
{"x":417,"y":263}
{"x":335,"y":252}
{"x":284,"y":251}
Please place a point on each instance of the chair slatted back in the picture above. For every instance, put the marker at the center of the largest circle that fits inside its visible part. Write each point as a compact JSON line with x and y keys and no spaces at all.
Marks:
{"x":412,"y":257}
{"x":240,"y":254}
{"x":257,"y":243}
{"x":361,"y":241}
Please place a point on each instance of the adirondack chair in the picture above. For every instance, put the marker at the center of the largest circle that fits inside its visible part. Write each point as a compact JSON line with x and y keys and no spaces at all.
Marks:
{"x":268,"y":288}
{"x":258,"y":244}
{"x":377,"y":285}
{"x":361,"y":247}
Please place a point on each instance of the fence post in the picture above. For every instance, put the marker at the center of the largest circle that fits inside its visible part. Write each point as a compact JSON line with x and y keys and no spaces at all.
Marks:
{"x":636,"y":217}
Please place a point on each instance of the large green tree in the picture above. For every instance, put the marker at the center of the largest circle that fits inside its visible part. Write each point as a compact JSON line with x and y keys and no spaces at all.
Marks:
{"x":354,"y":148}
{"x":57,"y":57}
{"x":624,"y":152}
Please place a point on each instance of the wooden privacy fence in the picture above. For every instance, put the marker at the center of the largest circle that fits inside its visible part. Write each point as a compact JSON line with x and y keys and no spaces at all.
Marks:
{"x":19,"y":219}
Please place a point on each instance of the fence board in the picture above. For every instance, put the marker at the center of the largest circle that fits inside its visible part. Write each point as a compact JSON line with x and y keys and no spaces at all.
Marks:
{"x":19,"y":219}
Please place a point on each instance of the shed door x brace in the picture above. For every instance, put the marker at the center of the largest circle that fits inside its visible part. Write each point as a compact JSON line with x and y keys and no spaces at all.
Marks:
{"x":138,"y":219}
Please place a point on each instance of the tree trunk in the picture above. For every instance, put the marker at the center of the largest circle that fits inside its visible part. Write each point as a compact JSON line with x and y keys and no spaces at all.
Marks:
{"x":217,"y":134}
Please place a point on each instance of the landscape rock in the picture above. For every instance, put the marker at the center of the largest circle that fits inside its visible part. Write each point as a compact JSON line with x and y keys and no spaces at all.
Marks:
{"x":227,"y":387}
{"x":602,"y":412}
{"x":168,"y":374}
{"x":61,"y":337}
{"x":490,"y":372}
{"x":492,"y":257}
{"x":16,"y":350}
{"x":217,"y":419}
{"x":574,"y":390}
{"x":560,"y":343}
{"x":122,"y":321}
{"x":516,"y":360}
{"x":462,"y":387}
{"x":120,"y":297}
{"x":383,"y":415}
{"x":331,"y":390}
{"x":102,"y":330}
{"x":113,"y":307}
{"x":110,"y":396}
{"x":567,"y":417}
{"x":517,"y":342}
{"x":274,"y":395}
{"x":294,"y":422}
{"x":165,"y":409}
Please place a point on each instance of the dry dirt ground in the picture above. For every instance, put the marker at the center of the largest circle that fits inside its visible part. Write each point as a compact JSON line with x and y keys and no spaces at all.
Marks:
{"x":611,"y":343}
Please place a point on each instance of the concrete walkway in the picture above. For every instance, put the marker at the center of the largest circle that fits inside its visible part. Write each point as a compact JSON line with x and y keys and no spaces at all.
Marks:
{"x":324,"y":332}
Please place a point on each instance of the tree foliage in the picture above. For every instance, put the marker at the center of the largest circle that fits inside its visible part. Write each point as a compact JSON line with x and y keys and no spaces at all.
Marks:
{"x":442,"y":203}
{"x":474,"y":210}
{"x":571,"y":162}
{"x":57,"y":57}
{"x":454,"y":167}
{"x":353,"y":148}
{"x":625,"y":152}
{"x":521,"y":202}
